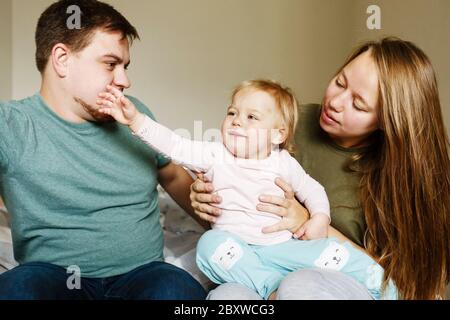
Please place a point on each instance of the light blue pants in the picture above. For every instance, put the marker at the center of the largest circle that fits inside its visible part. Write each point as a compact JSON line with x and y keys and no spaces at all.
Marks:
{"x":224,"y":257}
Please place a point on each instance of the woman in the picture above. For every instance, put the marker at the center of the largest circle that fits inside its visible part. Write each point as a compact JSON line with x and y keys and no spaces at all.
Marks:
{"x":379,"y":147}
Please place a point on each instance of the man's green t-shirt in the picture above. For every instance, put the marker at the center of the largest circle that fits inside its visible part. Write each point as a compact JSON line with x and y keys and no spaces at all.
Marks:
{"x":78,"y":194}
{"x":326,"y":162}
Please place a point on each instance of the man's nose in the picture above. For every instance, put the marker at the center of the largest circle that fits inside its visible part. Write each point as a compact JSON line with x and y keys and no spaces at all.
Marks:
{"x":121,"y":79}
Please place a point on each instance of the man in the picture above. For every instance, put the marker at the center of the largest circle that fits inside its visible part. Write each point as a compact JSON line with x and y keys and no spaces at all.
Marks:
{"x":75,"y":211}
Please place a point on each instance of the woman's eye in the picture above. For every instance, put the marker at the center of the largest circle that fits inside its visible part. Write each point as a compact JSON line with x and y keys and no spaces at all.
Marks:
{"x":339,"y":83}
{"x":111,"y":65}
{"x":357,"y":107}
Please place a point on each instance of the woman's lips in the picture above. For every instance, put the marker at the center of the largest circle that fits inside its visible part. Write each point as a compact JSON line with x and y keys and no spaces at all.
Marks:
{"x":327,"y":118}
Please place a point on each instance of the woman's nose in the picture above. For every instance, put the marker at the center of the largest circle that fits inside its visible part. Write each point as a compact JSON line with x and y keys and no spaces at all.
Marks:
{"x":338,"y":102}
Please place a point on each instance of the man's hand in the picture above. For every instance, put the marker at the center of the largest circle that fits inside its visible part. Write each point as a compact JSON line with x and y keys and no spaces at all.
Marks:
{"x":201,"y":199}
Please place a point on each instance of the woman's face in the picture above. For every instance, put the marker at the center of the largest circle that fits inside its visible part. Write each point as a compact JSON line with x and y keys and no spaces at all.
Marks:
{"x":349,"y":108}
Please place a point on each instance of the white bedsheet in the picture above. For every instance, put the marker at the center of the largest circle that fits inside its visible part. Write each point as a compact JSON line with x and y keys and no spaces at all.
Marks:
{"x":6,"y":252}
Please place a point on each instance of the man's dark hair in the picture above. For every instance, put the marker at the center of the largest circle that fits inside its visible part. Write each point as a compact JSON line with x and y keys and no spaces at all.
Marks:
{"x":52,"y":27}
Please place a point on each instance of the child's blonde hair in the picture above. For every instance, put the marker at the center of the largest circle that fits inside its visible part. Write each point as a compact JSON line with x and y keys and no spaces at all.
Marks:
{"x":286,"y":102}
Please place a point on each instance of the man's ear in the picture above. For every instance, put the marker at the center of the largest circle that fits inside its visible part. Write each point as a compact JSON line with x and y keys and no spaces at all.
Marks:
{"x":279,"y":136}
{"x":59,"y":57}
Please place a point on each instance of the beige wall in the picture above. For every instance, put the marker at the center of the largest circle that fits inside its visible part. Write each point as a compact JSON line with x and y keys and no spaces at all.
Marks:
{"x":5,"y":50}
{"x":25,"y":77}
{"x":193,"y":52}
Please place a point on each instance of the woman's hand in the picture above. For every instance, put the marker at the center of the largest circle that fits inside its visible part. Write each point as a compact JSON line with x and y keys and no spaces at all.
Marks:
{"x":293,"y":214}
{"x":202,"y":197}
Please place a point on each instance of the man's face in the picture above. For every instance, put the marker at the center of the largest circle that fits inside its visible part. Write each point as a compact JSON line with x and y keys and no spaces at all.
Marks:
{"x":103,"y":62}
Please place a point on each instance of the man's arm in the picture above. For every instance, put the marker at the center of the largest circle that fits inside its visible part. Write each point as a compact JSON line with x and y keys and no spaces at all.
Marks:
{"x":176,"y":181}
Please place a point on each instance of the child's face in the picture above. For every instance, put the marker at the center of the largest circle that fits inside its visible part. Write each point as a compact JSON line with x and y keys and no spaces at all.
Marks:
{"x":253,"y":125}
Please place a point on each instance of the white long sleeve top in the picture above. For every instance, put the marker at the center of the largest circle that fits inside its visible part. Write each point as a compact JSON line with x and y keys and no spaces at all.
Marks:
{"x":239,"y":181}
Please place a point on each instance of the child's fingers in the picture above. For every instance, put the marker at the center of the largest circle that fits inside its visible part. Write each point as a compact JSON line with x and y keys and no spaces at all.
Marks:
{"x":127,"y":104}
{"x":105,"y":103}
{"x":105,"y":110}
{"x":112,"y":112}
{"x":114,"y":91}
{"x":107,"y":96}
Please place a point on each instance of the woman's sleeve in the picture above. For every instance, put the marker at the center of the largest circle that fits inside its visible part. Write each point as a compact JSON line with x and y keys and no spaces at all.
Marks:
{"x":307,"y":190}
{"x":195,"y":155}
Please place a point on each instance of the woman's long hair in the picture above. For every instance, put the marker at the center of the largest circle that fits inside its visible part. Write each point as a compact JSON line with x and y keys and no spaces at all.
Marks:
{"x":405,"y":174}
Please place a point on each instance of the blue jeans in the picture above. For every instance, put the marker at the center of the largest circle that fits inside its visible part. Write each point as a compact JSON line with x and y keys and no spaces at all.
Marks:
{"x":152,"y":281}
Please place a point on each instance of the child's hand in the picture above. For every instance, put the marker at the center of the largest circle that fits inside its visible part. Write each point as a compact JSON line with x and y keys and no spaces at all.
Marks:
{"x":314,"y":228}
{"x":115,"y":104}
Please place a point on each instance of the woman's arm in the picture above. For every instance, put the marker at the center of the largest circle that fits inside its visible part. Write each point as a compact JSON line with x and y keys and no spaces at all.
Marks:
{"x":293,"y":214}
{"x":289,"y":206}
{"x":332,"y":232}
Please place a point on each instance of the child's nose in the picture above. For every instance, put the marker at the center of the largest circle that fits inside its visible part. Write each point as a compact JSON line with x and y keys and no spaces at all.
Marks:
{"x":236,"y":122}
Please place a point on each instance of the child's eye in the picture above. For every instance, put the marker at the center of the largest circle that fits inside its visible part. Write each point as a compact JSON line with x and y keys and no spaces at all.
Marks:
{"x":231,"y":113}
{"x":252,"y":117}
